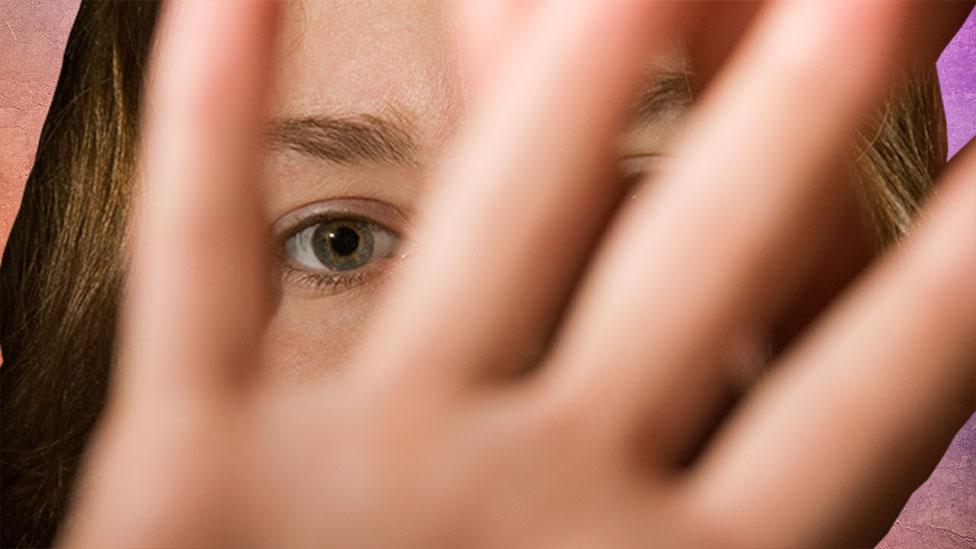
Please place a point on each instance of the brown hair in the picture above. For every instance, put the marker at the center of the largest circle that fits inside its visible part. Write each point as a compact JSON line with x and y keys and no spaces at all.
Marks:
{"x":62,"y":270}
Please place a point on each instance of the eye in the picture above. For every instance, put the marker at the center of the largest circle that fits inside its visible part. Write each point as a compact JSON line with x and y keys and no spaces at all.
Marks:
{"x":341,"y":244}
{"x":333,"y":245}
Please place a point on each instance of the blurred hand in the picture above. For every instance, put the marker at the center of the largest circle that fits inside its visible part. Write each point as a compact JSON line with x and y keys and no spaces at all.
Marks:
{"x":449,"y":428}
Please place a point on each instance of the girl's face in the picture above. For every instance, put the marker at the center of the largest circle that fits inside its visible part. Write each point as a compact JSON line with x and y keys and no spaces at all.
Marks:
{"x":367,"y":96}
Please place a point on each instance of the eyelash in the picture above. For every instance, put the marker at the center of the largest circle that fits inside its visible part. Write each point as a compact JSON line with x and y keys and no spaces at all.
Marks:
{"x":636,"y":170}
{"x":329,"y":284}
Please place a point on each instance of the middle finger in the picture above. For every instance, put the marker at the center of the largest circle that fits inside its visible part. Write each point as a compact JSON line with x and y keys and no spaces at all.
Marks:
{"x":522,"y":189}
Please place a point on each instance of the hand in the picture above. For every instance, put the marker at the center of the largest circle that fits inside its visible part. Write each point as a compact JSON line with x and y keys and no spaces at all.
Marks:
{"x":451,"y":429}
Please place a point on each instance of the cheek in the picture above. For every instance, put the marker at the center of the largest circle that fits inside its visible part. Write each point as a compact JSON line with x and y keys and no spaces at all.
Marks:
{"x":311,"y":339}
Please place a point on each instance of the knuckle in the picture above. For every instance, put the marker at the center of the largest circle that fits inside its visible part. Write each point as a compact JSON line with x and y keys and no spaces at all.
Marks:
{"x":562,"y":424}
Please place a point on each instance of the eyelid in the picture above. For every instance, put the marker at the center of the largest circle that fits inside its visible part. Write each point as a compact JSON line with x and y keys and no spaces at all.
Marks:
{"x":386,"y":215}
{"x":637,"y":164}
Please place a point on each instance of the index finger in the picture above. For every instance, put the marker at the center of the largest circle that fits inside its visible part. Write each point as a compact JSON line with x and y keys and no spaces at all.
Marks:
{"x":198,"y":276}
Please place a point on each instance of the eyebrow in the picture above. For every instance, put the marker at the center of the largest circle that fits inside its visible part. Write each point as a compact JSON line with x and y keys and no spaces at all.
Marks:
{"x":346,"y":139}
{"x":665,"y":90}
{"x":389,"y":139}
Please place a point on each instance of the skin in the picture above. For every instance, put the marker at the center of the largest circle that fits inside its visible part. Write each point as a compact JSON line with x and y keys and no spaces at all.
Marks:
{"x":332,"y":62}
{"x":451,"y":426}
{"x":402,"y":66}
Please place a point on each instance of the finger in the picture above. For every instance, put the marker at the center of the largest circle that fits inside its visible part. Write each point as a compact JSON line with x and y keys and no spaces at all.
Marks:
{"x":710,"y":254}
{"x":722,"y":26}
{"x":523,"y":198}
{"x":489,"y":32}
{"x":861,"y":411}
{"x":197,"y":285}
{"x":713,"y":39}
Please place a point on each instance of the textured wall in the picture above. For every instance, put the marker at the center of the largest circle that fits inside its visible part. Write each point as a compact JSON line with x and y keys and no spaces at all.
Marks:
{"x":32,"y":36}
{"x":957,"y":71}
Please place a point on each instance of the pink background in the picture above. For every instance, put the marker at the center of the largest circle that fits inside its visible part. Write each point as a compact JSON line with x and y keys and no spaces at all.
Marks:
{"x":32,"y":37}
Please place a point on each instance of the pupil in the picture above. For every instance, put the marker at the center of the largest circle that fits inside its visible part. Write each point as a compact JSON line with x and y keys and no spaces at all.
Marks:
{"x":344,"y":240}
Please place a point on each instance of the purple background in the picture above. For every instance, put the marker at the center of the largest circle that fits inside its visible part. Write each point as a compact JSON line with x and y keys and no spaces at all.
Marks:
{"x":32,"y":36}
{"x":957,"y":72}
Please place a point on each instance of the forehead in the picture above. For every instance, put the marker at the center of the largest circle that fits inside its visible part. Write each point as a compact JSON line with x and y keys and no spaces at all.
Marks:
{"x":368,"y":56}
